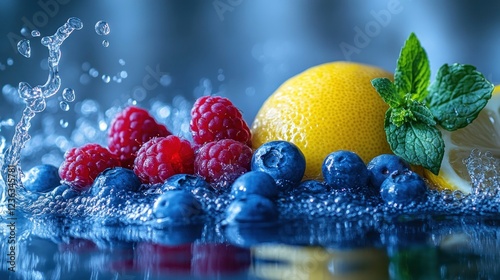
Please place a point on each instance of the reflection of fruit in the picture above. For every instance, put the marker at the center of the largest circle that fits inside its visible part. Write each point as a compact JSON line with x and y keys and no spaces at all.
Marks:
{"x":294,"y":262}
{"x":216,"y":259}
{"x":326,"y":108}
{"x":483,"y":133}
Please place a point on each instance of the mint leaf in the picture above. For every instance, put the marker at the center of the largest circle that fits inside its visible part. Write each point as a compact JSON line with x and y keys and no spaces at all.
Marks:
{"x":417,"y":143}
{"x":457,"y":95}
{"x":412,"y":75}
{"x":422,"y":113}
{"x":387,"y":91}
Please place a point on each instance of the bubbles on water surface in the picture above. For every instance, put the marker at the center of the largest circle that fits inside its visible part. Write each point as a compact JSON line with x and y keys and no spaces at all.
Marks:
{"x":484,"y":171}
{"x":102,"y":28}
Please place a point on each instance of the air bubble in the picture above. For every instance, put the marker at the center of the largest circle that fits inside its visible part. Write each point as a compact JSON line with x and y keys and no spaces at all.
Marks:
{"x":165,"y":80}
{"x":35,"y":33}
{"x":64,"y":106}
{"x":10,"y":61}
{"x":102,"y":28}
{"x":25,"y":32}
{"x":68,"y":95}
{"x":105,"y":43}
{"x":63,"y":123}
{"x":121,"y":62}
{"x":106,"y":78}
{"x":123,"y":74}
{"x":24,"y":48}
{"x":93,"y":72}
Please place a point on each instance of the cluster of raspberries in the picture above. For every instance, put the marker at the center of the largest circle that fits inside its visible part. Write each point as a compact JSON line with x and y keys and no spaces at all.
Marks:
{"x":220,"y":150}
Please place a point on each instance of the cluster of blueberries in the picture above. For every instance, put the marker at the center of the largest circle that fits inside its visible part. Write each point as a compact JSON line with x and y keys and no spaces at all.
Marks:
{"x":277,"y":169}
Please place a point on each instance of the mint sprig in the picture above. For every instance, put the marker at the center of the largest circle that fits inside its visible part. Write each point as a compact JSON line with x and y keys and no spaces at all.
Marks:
{"x":416,"y":106}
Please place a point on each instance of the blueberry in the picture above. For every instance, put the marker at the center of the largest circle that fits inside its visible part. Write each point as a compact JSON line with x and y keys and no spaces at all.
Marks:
{"x":251,"y":209}
{"x":184,"y":182}
{"x":42,"y":178}
{"x":403,"y":188}
{"x":310,"y":187}
{"x":255,"y":182}
{"x":118,"y":178}
{"x":380,"y":167}
{"x":282,"y":160}
{"x":65,"y":191}
{"x":177,"y":206}
{"x":344,"y":170}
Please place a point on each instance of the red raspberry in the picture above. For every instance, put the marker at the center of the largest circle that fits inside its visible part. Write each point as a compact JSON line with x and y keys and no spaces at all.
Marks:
{"x":162,"y":157}
{"x":129,"y":130}
{"x":82,"y":165}
{"x":221,"y":162}
{"x":215,"y":118}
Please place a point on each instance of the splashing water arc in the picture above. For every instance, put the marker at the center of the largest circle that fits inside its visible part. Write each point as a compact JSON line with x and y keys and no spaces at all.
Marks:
{"x":35,"y":98}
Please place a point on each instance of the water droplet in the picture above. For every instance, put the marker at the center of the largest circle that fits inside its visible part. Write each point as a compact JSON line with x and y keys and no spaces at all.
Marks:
{"x":25,"y":32}
{"x":102,"y":28}
{"x":165,"y":80}
{"x":106,"y":78}
{"x":64,"y":106}
{"x":93,"y":72}
{"x":24,"y":48}
{"x":121,"y":61}
{"x":86,"y":66}
{"x":35,"y":33}
{"x":63,"y":123}
{"x":10,"y":61}
{"x":84,"y":79}
{"x":105,"y":43}
{"x":221,"y":76}
{"x":68,"y":95}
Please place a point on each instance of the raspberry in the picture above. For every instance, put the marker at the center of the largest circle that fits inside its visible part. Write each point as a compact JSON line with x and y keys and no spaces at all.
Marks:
{"x":162,"y":157}
{"x":215,"y":118}
{"x":221,"y":162}
{"x":129,"y":130}
{"x":82,"y":165}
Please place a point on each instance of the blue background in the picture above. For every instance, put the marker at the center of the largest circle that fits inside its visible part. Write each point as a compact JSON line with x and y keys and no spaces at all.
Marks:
{"x":241,"y":49}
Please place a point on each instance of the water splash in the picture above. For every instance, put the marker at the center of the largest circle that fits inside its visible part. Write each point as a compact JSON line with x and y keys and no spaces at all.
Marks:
{"x":35,"y":97}
{"x":483,"y":171}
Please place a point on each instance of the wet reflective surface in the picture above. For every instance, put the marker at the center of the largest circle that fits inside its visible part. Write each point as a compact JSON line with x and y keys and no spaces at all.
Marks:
{"x":432,"y":247}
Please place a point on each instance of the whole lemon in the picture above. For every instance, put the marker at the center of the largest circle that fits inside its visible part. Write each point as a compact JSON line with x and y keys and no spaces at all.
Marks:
{"x":328,"y":107}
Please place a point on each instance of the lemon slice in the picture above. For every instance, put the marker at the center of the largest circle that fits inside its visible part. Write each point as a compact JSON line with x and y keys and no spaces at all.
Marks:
{"x":482,"y":134}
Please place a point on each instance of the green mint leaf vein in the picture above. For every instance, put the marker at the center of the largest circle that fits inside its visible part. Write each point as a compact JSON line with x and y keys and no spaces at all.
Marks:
{"x":417,"y":143}
{"x":457,"y":95}
{"x":412,"y":75}
{"x":387,"y":91}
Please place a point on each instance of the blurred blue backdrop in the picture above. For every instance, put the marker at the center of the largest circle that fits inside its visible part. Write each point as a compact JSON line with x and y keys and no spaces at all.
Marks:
{"x":242,"y":49}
